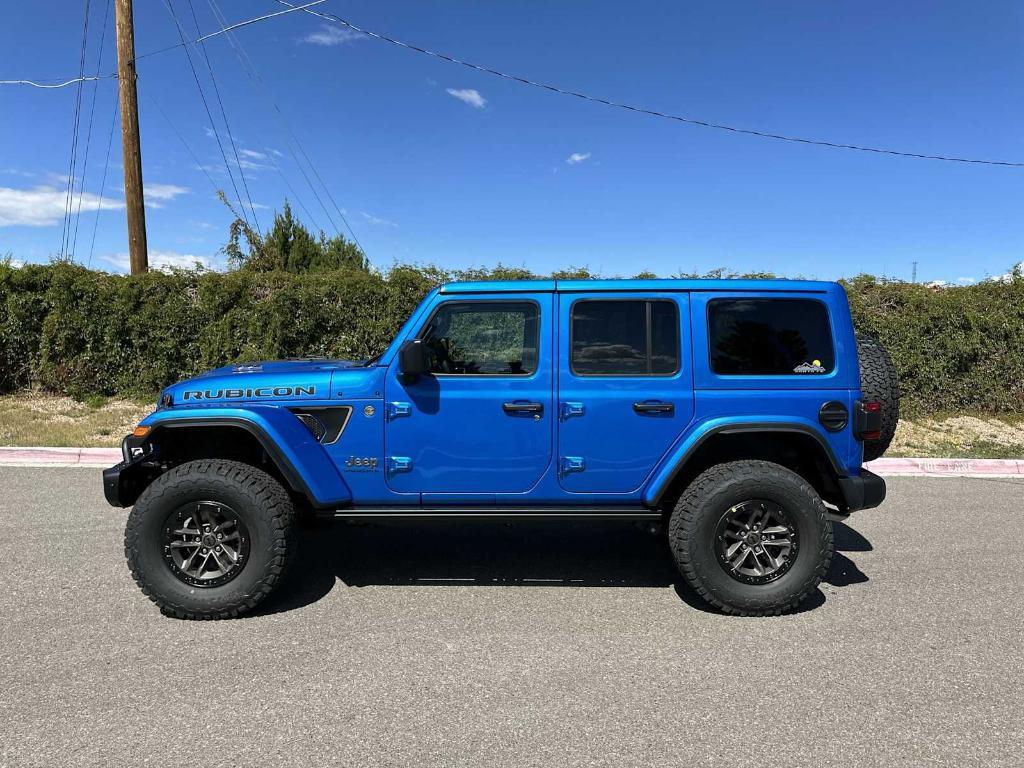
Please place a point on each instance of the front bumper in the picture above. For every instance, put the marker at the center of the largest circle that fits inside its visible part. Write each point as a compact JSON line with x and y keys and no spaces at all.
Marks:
{"x":123,"y":482}
{"x":865,"y":491}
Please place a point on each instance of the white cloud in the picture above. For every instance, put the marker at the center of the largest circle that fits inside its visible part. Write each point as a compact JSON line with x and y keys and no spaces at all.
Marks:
{"x":163,"y":260}
{"x":470,"y":96}
{"x":252,"y":154}
{"x":370,"y":218}
{"x":328,"y":34}
{"x":966,"y":280}
{"x":44,"y":206}
{"x":577,"y":157}
{"x":164,"y":192}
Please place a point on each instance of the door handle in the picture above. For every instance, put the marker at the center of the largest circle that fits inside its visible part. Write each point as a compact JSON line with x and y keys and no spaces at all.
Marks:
{"x":514,"y":408}
{"x":654,"y":407}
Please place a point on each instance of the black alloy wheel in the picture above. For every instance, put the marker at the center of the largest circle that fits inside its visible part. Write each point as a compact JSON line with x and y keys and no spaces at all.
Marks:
{"x":206,"y":544}
{"x":757,"y":542}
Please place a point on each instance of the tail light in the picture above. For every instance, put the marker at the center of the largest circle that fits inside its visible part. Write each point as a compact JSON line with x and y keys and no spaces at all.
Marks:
{"x":868,"y":420}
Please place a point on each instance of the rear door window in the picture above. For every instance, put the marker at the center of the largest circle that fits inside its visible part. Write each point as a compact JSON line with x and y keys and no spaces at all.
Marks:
{"x":769,"y":337}
{"x":624,"y":338}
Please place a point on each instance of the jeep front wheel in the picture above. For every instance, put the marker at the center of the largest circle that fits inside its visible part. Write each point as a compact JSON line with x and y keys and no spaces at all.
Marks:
{"x":751,"y":537}
{"x":209,"y":539}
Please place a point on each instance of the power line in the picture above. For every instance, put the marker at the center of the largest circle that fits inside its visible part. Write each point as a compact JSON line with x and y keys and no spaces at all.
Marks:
{"x":65,"y":233}
{"x":250,"y":70}
{"x":88,"y":133}
{"x":63,"y":84}
{"x":254,"y":77}
{"x":209,"y":113}
{"x":231,"y":28}
{"x":181,"y":138}
{"x":644,"y":110}
{"x":113,"y":75}
{"x":224,"y":115}
{"x":102,"y":183}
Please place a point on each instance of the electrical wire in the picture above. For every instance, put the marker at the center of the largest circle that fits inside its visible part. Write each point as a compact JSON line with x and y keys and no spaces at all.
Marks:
{"x":63,"y":84}
{"x":237,"y":25}
{"x":65,"y":233}
{"x":209,"y":113}
{"x":88,"y":132}
{"x":224,"y":115}
{"x":231,"y":28}
{"x":181,"y":138}
{"x":644,"y":110}
{"x":255,"y":78}
{"x":103,"y":182}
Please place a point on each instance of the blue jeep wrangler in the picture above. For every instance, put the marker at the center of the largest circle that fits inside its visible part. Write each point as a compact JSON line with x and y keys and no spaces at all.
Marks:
{"x":738,"y":412}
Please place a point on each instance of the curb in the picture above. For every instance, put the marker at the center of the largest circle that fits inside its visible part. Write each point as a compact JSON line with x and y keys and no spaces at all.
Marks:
{"x":896,"y":467}
{"x":105,"y":457}
{"x":59,"y":457}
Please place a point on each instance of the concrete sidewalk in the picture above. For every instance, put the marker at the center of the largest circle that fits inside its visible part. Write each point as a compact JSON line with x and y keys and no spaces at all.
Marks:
{"x":888,"y":467}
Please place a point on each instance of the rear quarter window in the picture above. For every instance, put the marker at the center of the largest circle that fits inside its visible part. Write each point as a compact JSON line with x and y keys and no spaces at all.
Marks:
{"x":770,"y":337}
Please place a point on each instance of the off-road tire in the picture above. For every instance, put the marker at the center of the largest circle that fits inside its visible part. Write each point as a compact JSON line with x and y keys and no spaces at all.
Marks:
{"x":878,"y":382}
{"x":692,"y":536}
{"x":256,"y":497}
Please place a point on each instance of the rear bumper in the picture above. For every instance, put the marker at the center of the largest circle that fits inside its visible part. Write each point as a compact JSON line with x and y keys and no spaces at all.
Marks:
{"x":865,"y":491}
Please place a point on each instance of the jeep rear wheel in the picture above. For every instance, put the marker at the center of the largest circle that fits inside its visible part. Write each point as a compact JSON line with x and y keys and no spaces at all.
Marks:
{"x":209,"y":539}
{"x":751,"y":537}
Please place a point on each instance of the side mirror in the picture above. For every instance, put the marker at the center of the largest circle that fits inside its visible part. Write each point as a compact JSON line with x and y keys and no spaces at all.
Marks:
{"x":412,"y":359}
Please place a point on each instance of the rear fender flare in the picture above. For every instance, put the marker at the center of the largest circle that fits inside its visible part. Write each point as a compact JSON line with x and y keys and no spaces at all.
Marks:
{"x":674,"y":463}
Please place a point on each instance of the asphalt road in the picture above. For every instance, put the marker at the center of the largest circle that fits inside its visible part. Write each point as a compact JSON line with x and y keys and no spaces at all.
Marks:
{"x":543,"y":644}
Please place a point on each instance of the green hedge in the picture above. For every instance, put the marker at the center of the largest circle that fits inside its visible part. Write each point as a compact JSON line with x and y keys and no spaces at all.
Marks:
{"x":67,"y":329}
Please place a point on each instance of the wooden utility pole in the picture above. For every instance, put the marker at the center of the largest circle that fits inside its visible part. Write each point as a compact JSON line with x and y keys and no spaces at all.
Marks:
{"x":134,"y":202}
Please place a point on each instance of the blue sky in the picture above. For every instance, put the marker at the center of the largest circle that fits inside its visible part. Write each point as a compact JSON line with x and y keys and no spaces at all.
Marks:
{"x":434,"y":163}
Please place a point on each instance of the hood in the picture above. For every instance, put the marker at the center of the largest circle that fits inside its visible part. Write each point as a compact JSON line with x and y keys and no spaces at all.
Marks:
{"x":274,"y":380}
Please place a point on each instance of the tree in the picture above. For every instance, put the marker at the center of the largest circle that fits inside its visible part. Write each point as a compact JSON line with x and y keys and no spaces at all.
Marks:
{"x":289,"y":247}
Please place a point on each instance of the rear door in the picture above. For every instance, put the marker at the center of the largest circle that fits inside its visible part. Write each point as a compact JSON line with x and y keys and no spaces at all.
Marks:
{"x":481,"y":421}
{"x":625,"y":387}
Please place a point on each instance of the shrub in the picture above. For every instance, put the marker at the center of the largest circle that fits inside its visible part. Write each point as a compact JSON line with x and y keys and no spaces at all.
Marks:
{"x":71,"y":330}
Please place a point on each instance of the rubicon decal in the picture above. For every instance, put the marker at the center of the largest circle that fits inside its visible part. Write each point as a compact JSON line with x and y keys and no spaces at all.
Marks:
{"x":222,"y":394}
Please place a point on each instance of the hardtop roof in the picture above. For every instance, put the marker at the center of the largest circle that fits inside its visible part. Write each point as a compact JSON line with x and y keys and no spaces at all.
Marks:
{"x":624,"y":285}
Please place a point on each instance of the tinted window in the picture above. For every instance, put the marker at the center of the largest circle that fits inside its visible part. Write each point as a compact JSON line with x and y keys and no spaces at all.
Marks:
{"x":483,"y":338}
{"x":769,"y":337}
{"x":625,"y":338}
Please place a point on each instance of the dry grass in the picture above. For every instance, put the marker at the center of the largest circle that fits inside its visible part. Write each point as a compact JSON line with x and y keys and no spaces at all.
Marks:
{"x":978,"y":437}
{"x":33,"y":418}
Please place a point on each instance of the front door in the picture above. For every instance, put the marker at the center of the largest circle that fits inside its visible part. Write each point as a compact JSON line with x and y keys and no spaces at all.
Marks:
{"x":481,"y":421}
{"x":625,"y":387}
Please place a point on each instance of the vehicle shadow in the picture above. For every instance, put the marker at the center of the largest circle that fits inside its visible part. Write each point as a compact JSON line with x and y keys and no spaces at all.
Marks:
{"x":526,"y":553}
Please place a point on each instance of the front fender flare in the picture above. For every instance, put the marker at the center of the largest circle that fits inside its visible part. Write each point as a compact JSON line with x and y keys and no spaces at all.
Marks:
{"x":302,"y":461}
{"x":676,"y":460}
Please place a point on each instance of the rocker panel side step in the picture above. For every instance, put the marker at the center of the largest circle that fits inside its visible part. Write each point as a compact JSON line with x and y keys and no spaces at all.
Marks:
{"x":500,"y":513}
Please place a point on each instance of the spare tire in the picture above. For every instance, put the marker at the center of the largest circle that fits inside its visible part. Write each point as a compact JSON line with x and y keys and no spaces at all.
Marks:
{"x":878,"y":382}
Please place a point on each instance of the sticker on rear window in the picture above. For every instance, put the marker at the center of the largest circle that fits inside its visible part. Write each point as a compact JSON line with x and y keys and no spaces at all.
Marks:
{"x":814,"y":367}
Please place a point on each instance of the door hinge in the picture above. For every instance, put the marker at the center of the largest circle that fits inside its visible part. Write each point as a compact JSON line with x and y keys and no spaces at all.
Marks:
{"x":398,"y":464}
{"x":570,"y":409}
{"x":569,"y":464}
{"x":397,"y":409}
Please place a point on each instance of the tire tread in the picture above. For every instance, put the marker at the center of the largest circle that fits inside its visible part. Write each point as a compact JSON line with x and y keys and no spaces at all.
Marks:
{"x":267,"y":495}
{"x":683,"y":524}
